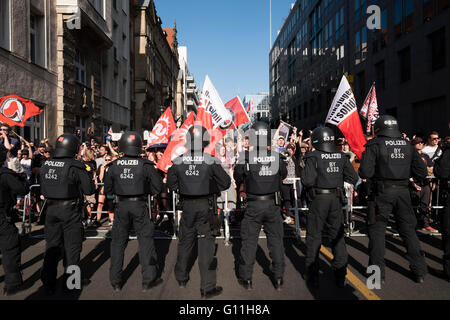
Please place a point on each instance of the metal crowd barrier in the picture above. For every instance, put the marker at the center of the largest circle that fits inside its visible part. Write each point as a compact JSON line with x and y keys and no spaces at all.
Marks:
{"x":348,"y":211}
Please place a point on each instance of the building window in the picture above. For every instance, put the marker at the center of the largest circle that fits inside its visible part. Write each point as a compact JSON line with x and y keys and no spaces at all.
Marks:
{"x":98,"y":5}
{"x":33,"y":130}
{"x":339,"y":20}
{"x":438,"y":51}
{"x":360,"y":45}
{"x":380,"y":75}
{"x":81,"y":124}
{"x":404,"y":57}
{"x":403,"y":14}
{"x":5,"y":24}
{"x":37,"y":39}
{"x":433,"y":7}
{"x":80,"y":67}
{"x":329,"y":36}
{"x":360,"y":9}
{"x":327,"y":6}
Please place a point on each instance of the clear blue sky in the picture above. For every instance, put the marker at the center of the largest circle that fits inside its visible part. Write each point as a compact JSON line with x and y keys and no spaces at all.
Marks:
{"x":227,"y":40}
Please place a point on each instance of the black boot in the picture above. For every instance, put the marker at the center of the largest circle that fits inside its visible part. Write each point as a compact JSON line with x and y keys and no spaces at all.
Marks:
{"x":339,"y":275}
{"x":246,"y":284}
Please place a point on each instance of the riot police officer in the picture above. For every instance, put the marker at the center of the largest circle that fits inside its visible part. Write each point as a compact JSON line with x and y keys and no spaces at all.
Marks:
{"x":11,"y":184}
{"x":197,"y":177}
{"x":324,"y":174}
{"x":64,"y":181}
{"x":390,"y":161}
{"x":442,"y":171}
{"x":132,"y":178}
{"x":261,"y":171}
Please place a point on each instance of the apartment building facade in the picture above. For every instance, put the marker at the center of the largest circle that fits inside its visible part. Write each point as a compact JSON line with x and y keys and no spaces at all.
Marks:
{"x":407,"y":59}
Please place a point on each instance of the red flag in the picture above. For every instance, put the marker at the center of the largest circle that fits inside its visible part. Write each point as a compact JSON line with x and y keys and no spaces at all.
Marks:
{"x":238,"y":111}
{"x":344,"y":114}
{"x":15,"y":111}
{"x":163,"y":129}
{"x":176,"y":146}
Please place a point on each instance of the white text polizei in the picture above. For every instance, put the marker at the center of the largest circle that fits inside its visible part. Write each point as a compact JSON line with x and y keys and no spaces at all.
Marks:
{"x":395,"y":143}
{"x":127,"y":162}
{"x":331,"y":156}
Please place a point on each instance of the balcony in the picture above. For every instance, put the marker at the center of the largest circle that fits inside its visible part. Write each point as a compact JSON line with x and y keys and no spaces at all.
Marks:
{"x":190,"y":79}
{"x":92,"y":21}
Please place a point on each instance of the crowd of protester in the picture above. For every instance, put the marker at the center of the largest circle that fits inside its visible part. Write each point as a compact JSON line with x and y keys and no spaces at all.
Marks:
{"x":27,"y":158}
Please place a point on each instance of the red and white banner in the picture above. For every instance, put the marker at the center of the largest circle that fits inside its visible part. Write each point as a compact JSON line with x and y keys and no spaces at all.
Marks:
{"x":344,"y":114}
{"x":369,"y":110}
{"x":213,"y":115}
{"x":15,"y":111}
{"x":239,"y":115}
{"x":163,"y":129}
{"x":176,"y":146}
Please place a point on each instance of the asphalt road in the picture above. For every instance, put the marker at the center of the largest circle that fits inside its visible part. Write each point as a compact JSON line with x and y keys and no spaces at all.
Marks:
{"x":96,"y":260}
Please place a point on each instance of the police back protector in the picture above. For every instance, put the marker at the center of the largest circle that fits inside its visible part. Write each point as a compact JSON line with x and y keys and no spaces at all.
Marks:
{"x":330,"y":169}
{"x":395,"y":158}
{"x":56,"y":182}
{"x":262,"y":172}
{"x":194,"y":174}
{"x":128,"y":175}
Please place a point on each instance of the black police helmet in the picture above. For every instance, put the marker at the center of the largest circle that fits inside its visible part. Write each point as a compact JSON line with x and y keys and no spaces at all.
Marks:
{"x":197,"y":138}
{"x":67,"y":146}
{"x":263,"y":135}
{"x":323,"y":139}
{"x":387,"y":126}
{"x":131,"y":144}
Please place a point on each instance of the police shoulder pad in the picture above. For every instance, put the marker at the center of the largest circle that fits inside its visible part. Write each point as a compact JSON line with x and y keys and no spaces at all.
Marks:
{"x":79,"y":165}
{"x":311,"y":154}
{"x":371,"y":142}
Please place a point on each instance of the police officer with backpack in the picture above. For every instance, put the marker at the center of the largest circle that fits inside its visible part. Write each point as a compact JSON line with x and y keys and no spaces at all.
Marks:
{"x":132,"y":178}
{"x":324,"y":174}
{"x":11,"y":184}
{"x":198,"y":176}
{"x":390,"y":161}
{"x":261,"y":171}
{"x":64,"y":181}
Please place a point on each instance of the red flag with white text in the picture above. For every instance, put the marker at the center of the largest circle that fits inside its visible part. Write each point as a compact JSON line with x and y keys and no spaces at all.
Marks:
{"x":15,"y":111}
{"x":176,"y":146}
{"x":344,"y":114}
{"x":163,"y":129}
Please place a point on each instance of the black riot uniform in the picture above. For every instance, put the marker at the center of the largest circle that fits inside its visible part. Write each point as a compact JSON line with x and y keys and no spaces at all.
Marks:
{"x":64,"y":181}
{"x":324,"y":174}
{"x":11,"y":185}
{"x":261,"y":171}
{"x":442,"y":171}
{"x":132,"y":179}
{"x":197,"y":177}
{"x":390,"y":161}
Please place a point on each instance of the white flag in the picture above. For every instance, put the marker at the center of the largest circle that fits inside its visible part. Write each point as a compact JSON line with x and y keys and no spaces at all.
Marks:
{"x":213,"y":105}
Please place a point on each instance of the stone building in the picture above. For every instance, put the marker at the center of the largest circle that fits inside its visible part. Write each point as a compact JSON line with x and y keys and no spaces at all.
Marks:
{"x":156,"y":66}
{"x":72,"y":58}
{"x":28,"y":65}
{"x":408,"y":58}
